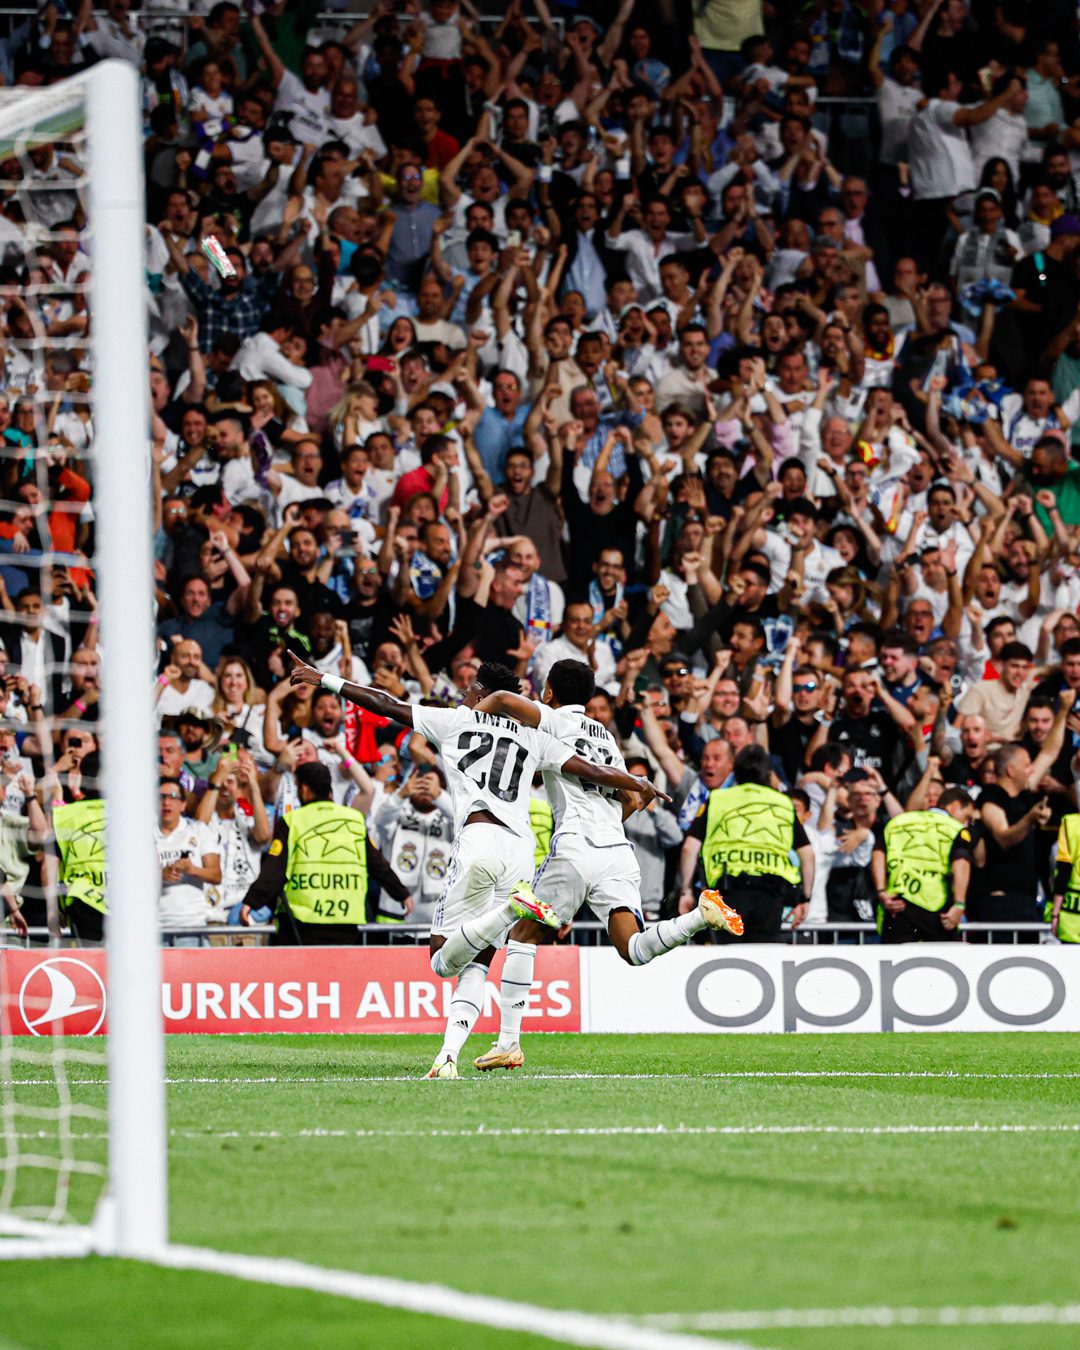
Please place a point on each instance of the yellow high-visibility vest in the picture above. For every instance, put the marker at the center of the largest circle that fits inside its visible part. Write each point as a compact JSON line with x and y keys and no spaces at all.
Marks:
{"x":79,"y":828}
{"x":749,"y":831}
{"x":918,"y":850}
{"x":326,"y":873}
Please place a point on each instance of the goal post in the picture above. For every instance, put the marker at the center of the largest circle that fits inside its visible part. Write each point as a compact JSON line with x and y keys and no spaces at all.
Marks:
{"x":100,"y":111}
{"x":137,"y":1203}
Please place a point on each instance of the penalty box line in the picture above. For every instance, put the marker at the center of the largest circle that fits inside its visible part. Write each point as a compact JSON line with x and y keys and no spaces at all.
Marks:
{"x":567,"y":1327}
{"x":591,"y":1131}
{"x":278,"y":1080}
{"x":811,"y":1319}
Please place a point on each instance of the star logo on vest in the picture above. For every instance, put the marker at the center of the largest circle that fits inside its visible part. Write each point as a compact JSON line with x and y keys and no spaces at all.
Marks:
{"x":329,"y":843}
{"x":62,"y":997}
{"x":756,"y":821}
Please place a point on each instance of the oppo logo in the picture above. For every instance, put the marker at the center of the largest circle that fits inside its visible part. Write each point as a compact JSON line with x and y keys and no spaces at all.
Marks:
{"x":920,"y":991}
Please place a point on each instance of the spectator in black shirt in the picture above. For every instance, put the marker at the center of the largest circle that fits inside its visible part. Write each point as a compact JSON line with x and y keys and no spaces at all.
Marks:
{"x":969,"y":768}
{"x":799,"y":699}
{"x":873,"y":737}
{"x":1012,"y":809}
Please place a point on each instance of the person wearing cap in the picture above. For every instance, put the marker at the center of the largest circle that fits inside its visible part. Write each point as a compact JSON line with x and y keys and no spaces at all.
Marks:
{"x":201,"y":735}
{"x":990,"y":249}
{"x":318,"y":868}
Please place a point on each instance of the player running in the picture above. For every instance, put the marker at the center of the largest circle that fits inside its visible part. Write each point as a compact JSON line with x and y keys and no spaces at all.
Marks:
{"x":591,"y":860}
{"x":490,"y":762}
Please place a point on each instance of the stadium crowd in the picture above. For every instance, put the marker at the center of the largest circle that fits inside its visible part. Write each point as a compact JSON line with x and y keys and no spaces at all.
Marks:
{"x":592,"y":332}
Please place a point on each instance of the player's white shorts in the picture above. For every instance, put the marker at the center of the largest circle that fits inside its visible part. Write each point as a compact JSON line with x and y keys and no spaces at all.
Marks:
{"x":486,"y":863}
{"x":577,"y":872}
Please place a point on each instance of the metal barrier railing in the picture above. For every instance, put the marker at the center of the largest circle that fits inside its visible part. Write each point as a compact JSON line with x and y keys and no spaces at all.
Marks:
{"x":588,"y":933}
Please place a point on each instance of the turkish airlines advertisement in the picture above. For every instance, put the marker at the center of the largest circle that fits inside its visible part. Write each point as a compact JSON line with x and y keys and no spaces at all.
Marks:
{"x":719,"y":989}
{"x":346,"y":989}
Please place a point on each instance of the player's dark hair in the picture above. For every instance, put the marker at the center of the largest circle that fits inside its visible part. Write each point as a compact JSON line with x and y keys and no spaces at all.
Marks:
{"x":492,"y":676}
{"x":1014,"y":651}
{"x":571,"y":682}
{"x":753,"y":764}
{"x":316,"y":778}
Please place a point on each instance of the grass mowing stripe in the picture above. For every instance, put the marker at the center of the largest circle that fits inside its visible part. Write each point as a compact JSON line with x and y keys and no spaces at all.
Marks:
{"x":572,"y":1328}
{"x":584,"y":1131}
{"x":810,"y":1319}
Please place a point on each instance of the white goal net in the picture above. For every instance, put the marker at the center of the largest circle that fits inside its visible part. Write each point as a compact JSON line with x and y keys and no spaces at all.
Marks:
{"x":81,"y":1115}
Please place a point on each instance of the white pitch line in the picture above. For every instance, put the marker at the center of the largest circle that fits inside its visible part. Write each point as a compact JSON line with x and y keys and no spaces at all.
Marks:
{"x":588,"y":1131}
{"x":807,"y":1319}
{"x":571,"y":1328}
{"x":735,"y":1074}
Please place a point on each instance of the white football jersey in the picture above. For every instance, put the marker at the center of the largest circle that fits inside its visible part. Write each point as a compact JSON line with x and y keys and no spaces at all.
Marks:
{"x":489,"y":762}
{"x":585,"y":808}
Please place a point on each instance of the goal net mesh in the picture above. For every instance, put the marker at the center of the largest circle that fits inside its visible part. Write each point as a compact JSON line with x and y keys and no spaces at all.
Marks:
{"x":53,"y":1145}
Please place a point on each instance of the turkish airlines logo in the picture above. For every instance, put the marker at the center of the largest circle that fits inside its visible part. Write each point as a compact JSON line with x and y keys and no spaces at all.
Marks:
{"x":63,"y":997}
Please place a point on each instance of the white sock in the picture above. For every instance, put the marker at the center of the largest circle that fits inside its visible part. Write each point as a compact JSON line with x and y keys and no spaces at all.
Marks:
{"x":471,"y":938}
{"x":514,"y":991}
{"x":664,"y":936}
{"x":465,"y":1008}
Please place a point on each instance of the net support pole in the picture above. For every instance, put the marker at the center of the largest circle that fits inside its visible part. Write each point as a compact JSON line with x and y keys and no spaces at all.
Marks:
{"x":137,"y":1146}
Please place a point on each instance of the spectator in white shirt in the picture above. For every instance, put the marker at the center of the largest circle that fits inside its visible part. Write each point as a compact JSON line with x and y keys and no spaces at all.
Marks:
{"x":940,"y":157}
{"x":348,"y":124}
{"x":304,"y":100}
{"x":577,"y":643}
{"x":185,"y":682}
{"x":646,"y":247}
{"x":190,"y":859}
{"x":261,"y":356}
{"x":1005,"y":135}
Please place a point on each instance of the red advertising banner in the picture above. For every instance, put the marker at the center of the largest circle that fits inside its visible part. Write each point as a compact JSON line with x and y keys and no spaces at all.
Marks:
{"x":319,"y":989}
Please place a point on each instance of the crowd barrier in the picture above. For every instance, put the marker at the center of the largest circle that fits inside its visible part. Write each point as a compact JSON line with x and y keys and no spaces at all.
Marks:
{"x":719,"y":989}
{"x":585,"y":933}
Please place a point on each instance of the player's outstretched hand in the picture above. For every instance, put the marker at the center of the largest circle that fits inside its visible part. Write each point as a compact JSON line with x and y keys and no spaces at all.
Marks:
{"x":301,"y":672}
{"x":649,"y":793}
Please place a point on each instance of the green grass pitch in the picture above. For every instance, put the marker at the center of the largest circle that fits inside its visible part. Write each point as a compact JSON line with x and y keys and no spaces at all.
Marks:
{"x":629,"y":1225}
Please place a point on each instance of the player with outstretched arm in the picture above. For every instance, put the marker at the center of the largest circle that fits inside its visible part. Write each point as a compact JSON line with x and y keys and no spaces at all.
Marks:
{"x":490,"y":761}
{"x":591,"y":861}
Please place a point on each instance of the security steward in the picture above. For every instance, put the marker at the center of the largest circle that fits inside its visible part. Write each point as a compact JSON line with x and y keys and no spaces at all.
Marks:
{"x":921,"y":867}
{"x":752,"y":849}
{"x":79,"y":834}
{"x":319,"y":863}
{"x":1063,"y":911}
